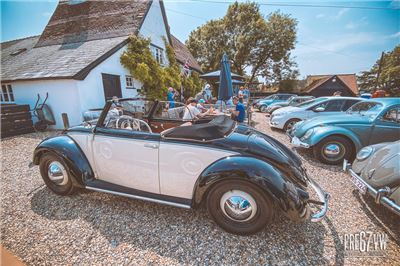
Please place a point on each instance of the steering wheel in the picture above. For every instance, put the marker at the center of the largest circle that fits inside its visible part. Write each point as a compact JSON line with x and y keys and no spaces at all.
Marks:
{"x":127,"y":122}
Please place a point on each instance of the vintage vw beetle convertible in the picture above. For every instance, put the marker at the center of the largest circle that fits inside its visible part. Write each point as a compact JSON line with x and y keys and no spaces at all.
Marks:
{"x":242,"y":176}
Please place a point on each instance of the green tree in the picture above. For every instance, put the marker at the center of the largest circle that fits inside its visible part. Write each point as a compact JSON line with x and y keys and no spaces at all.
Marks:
{"x":250,"y":40}
{"x":155,"y":78}
{"x":389,"y":78}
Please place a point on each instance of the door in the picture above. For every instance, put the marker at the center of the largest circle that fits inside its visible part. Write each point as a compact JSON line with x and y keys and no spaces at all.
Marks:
{"x":111,"y":86}
{"x":386,"y":128}
{"x":125,"y":151}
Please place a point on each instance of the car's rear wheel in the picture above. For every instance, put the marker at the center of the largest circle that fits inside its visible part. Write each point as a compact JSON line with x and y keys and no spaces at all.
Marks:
{"x":56,"y":174}
{"x":263,"y":109}
{"x":290,"y":123}
{"x":239,"y":207}
{"x":332,"y":150}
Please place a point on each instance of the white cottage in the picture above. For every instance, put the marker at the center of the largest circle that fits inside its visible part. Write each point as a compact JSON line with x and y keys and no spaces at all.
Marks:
{"x":77,"y":57}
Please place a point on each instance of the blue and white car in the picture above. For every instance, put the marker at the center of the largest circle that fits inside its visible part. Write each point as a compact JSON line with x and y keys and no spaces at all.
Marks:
{"x":284,"y":118}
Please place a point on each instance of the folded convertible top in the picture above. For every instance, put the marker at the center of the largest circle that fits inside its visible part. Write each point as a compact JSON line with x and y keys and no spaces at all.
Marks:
{"x":219,"y":127}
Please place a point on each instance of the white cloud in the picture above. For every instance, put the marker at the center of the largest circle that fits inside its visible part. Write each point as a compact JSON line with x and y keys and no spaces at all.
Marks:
{"x":356,"y":24}
{"x":46,"y":14}
{"x":336,"y":16}
{"x":341,"y":13}
{"x":321,"y":15}
{"x":394,"y":35}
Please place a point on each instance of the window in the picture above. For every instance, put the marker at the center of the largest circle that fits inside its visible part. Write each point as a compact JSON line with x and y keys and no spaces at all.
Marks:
{"x":7,"y":94}
{"x":129,"y":81}
{"x":393,"y":115}
{"x":158,"y":54}
{"x":348,"y":104}
{"x":334,"y":106}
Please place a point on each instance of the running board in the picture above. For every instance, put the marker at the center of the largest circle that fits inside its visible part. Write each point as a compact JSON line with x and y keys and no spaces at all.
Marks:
{"x":174,"y":204}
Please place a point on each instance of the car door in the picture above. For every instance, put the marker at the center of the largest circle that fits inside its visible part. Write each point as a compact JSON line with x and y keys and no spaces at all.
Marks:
{"x":386,"y":127}
{"x":126,"y":155}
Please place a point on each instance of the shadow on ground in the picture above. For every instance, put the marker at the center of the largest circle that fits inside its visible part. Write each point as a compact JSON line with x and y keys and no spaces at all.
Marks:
{"x":177,"y":233}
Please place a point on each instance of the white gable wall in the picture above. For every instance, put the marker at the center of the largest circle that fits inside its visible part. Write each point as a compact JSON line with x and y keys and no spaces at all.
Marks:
{"x":153,"y":26}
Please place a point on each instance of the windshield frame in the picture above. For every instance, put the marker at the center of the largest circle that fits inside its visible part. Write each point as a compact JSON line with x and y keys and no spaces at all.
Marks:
{"x":311,"y":102}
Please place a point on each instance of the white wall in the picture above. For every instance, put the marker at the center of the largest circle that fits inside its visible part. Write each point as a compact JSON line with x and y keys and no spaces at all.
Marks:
{"x":153,"y":26}
{"x":63,"y":97}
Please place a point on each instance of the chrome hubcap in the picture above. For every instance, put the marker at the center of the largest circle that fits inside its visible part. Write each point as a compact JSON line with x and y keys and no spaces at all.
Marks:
{"x":57,"y":173}
{"x":332,"y":150}
{"x":238,"y":205}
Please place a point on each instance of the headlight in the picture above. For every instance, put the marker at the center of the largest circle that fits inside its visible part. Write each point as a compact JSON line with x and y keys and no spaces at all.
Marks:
{"x":308,"y":134}
{"x":364,"y":153}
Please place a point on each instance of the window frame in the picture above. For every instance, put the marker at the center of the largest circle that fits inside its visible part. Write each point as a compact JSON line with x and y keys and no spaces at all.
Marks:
{"x":397,"y":108}
{"x":9,"y":93}
{"x":132,"y":84}
{"x":158,"y":54}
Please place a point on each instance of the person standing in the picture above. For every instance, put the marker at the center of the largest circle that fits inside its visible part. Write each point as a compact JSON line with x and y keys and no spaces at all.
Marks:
{"x":239,"y":113}
{"x":171,"y":97}
{"x":241,"y":95}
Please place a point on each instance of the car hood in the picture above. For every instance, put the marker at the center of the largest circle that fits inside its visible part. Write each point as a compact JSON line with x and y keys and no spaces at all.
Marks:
{"x":249,"y":141}
{"x":279,"y":104}
{"x":333,"y":119}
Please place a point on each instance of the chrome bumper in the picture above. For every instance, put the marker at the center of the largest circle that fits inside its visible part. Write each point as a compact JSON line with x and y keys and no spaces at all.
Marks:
{"x":379,"y":195}
{"x":296,"y":142}
{"x":323,"y":197}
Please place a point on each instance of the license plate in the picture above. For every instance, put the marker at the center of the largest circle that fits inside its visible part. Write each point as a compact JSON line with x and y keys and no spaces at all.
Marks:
{"x":359,"y":185}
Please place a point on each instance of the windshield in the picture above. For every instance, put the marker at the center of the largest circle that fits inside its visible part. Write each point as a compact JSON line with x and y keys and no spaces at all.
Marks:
{"x":370,"y":109}
{"x":311,"y":102}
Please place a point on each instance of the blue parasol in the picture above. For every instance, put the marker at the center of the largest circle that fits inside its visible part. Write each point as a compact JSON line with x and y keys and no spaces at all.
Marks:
{"x":225,"y":90}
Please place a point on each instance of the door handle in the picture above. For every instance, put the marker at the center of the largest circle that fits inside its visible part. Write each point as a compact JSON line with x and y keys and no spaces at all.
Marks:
{"x":151,"y":145}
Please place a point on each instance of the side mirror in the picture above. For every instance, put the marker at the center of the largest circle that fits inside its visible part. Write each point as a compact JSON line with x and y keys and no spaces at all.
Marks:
{"x":319,"y":109}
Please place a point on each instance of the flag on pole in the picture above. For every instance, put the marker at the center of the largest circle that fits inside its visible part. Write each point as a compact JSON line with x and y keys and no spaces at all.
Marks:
{"x":186,"y":69}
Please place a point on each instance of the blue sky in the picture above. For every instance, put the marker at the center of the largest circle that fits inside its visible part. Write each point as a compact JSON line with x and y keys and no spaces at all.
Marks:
{"x":330,"y":39}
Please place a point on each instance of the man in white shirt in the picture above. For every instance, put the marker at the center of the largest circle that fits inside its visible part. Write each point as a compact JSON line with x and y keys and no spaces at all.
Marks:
{"x":191,"y":111}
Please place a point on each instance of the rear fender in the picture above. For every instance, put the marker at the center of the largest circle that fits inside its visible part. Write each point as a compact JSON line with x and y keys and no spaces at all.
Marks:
{"x":73,"y":156}
{"x":284,"y":193}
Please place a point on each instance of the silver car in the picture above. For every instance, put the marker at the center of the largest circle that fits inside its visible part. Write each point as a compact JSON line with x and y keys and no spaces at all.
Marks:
{"x":376,"y":170}
{"x":293,"y":101}
{"x":285,"y":117}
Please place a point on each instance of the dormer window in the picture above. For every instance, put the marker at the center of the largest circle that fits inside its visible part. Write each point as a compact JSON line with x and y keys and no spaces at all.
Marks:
{"x":19,"y":51}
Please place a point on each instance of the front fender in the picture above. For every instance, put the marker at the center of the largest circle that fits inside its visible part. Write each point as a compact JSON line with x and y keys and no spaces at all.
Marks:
{"x":285,"y":194}
{"x":73,"y":156}
{"x":322,"y":132}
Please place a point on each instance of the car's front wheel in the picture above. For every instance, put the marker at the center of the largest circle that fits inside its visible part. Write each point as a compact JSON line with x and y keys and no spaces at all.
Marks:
{"x":239,"y":207}
{"x":55,"y":174}
{"x":332,"y":150}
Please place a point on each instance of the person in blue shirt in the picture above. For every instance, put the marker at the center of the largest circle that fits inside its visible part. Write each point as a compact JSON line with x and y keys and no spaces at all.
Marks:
{"x":239,"y":113}
{"x":170,"y":97}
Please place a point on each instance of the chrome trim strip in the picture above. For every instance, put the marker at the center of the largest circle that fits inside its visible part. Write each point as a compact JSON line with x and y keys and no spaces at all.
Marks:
{"x":323,"y":197}
{"x":387,"y":202}
{"x":179,"y":205}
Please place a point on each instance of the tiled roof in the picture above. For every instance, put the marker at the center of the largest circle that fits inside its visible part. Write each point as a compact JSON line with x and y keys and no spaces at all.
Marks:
{"x":55,"y":61}
{"x":92,"y":20}
{"x":314,"y":81}
{"x":182,"y":54}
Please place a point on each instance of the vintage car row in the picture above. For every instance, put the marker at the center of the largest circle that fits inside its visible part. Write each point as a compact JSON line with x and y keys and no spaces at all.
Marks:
{"x":376,"y":171}
{"x":263,"y":103}
{"x":292,"y":101}
{"x":284,"y":118}
{"x":337,"y":137}
{"x":242,"y":176}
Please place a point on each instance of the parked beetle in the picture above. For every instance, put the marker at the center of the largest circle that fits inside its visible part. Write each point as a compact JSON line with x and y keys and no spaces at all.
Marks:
{"x":241,"y":175}
{"x":376,"y":170}
{"x":336,"y":137}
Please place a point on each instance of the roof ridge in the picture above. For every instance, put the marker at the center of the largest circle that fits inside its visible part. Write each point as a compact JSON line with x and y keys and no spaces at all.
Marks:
{"x":20,"y":39}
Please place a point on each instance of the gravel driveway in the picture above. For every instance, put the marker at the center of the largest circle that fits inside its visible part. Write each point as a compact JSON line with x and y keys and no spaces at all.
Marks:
{"x":93,"y":228}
